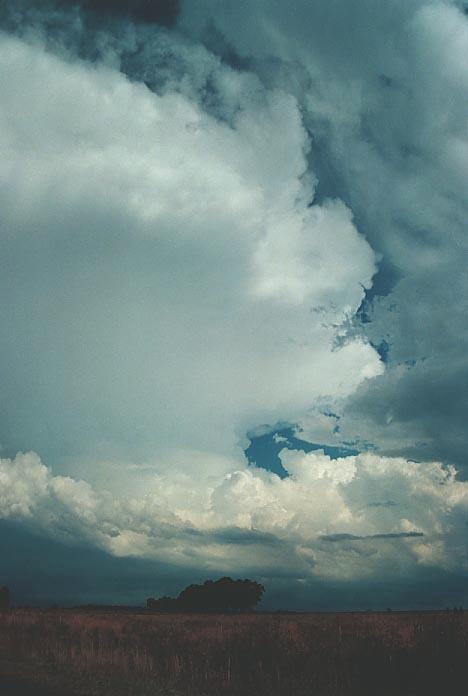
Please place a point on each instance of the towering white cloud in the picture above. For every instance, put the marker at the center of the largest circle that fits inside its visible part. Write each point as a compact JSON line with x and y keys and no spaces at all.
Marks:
{"x":167,"y":281}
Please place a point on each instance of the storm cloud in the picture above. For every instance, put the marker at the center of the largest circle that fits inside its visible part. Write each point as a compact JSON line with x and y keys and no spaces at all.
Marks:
{"x":222,"y":222}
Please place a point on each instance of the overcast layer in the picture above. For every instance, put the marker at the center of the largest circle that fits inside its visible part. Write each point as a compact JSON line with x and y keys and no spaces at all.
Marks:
{"x":218,"y":221}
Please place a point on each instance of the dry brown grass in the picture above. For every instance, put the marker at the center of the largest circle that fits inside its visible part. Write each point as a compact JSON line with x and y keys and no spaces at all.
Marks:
{"x":313,"y":654}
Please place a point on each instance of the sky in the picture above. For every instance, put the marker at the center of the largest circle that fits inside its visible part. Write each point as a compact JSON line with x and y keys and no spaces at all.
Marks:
{"x":233,"y":299}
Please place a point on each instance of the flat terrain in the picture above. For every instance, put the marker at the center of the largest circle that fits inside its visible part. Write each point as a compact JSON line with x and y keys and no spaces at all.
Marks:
{"x":94,"y":653}
{"x":16,"y":686}
{"x":26,"y":678}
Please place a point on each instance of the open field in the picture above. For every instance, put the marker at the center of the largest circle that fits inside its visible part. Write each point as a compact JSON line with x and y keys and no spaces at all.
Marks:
{"x":106,"y":653}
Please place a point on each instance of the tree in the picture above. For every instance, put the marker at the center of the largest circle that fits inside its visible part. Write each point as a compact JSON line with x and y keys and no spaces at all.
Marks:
{"x":223,"y":595}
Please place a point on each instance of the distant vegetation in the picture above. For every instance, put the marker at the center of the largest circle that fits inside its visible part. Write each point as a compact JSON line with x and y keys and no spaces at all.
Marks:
{"x":388,"y":654}
{"x":223,"y":595}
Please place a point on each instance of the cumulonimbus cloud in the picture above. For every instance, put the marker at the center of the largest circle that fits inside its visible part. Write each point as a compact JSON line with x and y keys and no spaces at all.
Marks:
{"x":167,"y":277}
{"x":191,"y":227}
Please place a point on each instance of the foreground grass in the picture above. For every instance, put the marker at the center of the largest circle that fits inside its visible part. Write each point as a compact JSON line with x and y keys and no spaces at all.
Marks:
{"x":191,"y":655}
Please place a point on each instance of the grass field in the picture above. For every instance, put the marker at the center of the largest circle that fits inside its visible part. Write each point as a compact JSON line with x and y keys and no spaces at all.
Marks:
{"x":209,"y":655}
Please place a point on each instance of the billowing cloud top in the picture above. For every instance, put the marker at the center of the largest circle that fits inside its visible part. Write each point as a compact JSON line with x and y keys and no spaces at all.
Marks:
{"x":215,"y":222}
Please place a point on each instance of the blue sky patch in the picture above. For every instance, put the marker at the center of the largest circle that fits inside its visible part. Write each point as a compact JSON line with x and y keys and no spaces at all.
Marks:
{"x":264,"y":450}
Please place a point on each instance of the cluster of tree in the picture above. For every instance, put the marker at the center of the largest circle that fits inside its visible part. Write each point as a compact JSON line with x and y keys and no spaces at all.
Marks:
{"x":4,"y":597}
{"x":224,"y":595}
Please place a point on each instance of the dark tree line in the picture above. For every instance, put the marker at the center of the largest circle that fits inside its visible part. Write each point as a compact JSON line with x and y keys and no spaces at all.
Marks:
{"x":223,"y":595}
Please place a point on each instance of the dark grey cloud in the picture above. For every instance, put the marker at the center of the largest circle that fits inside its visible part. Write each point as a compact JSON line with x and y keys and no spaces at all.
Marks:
{"x":384,"y":99}
{"x":383,"y":536}
{"x":383,"y":503}
{"x":418,"y":411}
{"x":44,"y":572}
{"x":237,"y":535}
{"x":162,"y":12}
